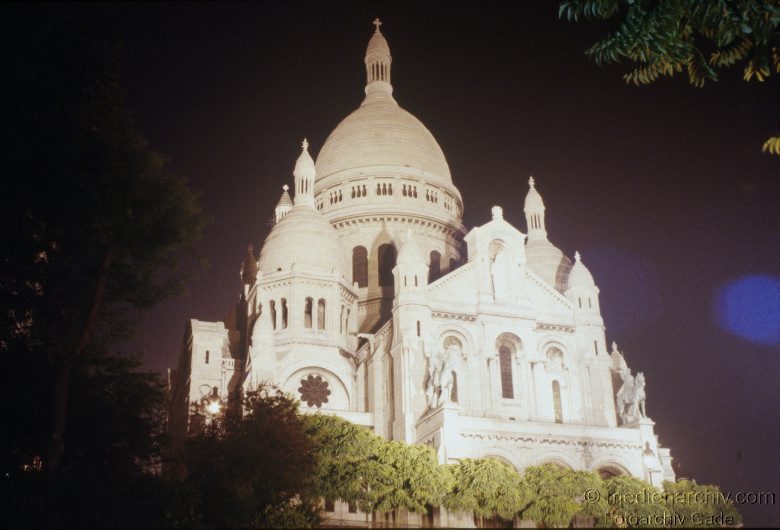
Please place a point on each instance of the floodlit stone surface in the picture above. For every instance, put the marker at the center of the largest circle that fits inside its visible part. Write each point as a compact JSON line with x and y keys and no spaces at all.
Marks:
{"x":372,"y":301}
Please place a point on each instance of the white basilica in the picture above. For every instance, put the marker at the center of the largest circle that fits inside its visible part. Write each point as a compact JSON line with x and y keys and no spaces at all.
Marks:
{"x":369,"y":299}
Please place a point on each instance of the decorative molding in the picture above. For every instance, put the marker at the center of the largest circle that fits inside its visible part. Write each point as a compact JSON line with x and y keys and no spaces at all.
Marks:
{"x":435,"y":225}
{"x":518,"y":438}
{"x":541,"y":326}
{"x":454,"y":316}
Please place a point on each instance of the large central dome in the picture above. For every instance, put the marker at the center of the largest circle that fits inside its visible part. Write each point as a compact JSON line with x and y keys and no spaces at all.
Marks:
{"x":380,"y":133}
{"x":380,"y":152}
{"x":379,"y":176}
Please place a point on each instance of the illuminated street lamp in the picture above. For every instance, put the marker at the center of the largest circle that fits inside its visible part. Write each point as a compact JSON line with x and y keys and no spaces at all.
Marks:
{"x":212,"y":404}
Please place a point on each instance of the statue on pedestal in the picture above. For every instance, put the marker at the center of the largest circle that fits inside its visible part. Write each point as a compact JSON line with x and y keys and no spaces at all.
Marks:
{"x":630,"y":399}
{"x":441,"y":374}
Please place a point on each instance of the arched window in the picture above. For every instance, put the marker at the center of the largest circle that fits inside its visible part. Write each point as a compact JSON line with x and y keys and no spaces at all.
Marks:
{"x":434,"y":271}
{"x":557,"y":407}
{"x":360,"y":266}
{"x":321,"y":313}
{"x":453,"y":264}
{"x":341,"y":319}
{"x":346,"y":322}
{"x":386,"y":263}
{"x":272,"y":313}
{"x":207,"y":357}
{"x":284,"y":313}
{"x":505,"y":361}
{"x":307,"y":322}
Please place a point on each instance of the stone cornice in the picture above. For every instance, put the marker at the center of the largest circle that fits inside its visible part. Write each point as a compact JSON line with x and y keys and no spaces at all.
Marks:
{"x":542,"y":326}
{"x":438,"y":225}
{"x":551,"y":441}
{"x":453,"y":316}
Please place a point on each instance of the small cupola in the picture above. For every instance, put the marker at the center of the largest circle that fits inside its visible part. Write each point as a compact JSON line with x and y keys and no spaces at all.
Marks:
{"x":534,"y":213}
{"x":378,"y":61}
{"x":304,"y":174}
{"x":284,"y":205}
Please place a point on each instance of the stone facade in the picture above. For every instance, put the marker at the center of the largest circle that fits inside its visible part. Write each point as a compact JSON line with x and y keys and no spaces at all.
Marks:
{"x":370,"y":300}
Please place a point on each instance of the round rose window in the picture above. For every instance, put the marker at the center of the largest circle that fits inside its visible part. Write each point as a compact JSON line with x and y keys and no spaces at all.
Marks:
{"x":314,"y":391}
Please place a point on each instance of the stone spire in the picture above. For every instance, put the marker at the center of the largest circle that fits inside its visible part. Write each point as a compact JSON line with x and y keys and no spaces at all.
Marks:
{"x":284,"y":205}
{"x":378,"y":62}
{"x":534,"y":213}
{"x":304,"y":174}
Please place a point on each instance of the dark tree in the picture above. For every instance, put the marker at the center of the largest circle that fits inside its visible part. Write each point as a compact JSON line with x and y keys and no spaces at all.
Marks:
{"x":109,"y":473}
{"x":256,"y":469}
{"x":92,"y":225}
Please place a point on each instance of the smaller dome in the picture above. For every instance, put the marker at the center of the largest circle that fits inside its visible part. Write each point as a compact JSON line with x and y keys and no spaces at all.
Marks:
{"x":547,"y":261}
{"x":305,"y":239}
{"x":580,"y":276}
{"x":533,"y":201}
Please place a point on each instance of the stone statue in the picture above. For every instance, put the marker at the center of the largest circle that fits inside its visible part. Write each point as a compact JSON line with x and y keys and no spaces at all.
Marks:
{"x":638,"y":401}
{"x":441,"y":374}
{"x":433,"y":356}
{"x":630,"y":399}
{"x":623,"y":397}
{"x":499,"y":272}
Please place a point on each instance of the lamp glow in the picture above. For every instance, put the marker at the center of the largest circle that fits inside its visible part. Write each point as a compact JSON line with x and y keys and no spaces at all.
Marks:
{"x":213,"y":407}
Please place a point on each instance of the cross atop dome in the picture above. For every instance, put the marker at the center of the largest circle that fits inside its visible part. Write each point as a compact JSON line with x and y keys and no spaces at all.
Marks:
{"x":531,"y":182}
{"x":377,"y":23}
{"x":305,"y":144}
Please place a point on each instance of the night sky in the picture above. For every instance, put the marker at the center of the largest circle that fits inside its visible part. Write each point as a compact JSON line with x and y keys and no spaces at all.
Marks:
{"x":662,"y":188}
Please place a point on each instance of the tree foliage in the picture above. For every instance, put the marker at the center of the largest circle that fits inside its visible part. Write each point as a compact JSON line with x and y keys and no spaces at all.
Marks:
{"x":92,"y":225}
{"x":417,"y":479}
{"x":700,"y":505}
{"x":696,"y":36}
{"x":487,"y":488}
{"x":556,"y":495}
{"x":115,"y":441}
{"x":356,"y":466}
{"x":347,"y":466}
{"x":631,"y":499}
{"x":253,"y":469}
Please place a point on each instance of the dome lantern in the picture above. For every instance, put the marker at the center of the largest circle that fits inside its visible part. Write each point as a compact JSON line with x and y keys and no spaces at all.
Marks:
{"x":534,"y":213}
{"x":378,"y":61}
{"x":284,"y":205}
{"x":304,"y":174}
